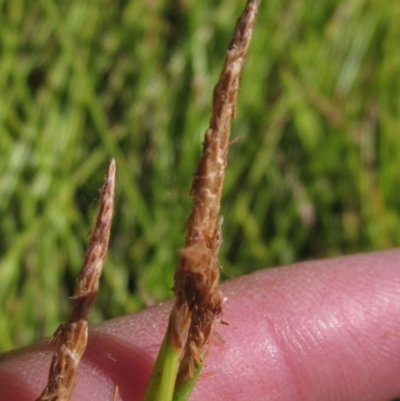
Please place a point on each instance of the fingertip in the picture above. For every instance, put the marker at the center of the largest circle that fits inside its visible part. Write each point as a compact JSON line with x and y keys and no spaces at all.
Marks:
{"x":323,"y":330}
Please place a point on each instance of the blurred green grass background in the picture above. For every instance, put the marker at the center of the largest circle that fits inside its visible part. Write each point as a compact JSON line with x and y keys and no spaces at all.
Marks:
{"x":81,"y":81}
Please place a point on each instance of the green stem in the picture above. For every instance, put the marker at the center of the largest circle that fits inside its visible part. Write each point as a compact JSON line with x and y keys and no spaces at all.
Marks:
{"x":162,"y":381}
{"x":182,"y":391}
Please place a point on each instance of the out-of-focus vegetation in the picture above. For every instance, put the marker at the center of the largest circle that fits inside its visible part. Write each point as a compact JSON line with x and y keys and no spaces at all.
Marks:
{"x":81,"y":81}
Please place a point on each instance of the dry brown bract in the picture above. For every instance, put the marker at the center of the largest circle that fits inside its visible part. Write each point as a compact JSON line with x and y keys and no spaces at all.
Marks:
{"x":71,"y":337}
{"x":198,"y":298}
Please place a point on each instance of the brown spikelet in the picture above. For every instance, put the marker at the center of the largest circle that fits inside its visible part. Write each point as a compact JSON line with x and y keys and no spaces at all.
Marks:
{"x":71,"y":337}
{"x":198,"y":299}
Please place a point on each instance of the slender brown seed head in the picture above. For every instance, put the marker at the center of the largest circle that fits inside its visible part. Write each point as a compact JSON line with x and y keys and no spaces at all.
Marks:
{"x":71,"y":337}
{"x":197,"y":295}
